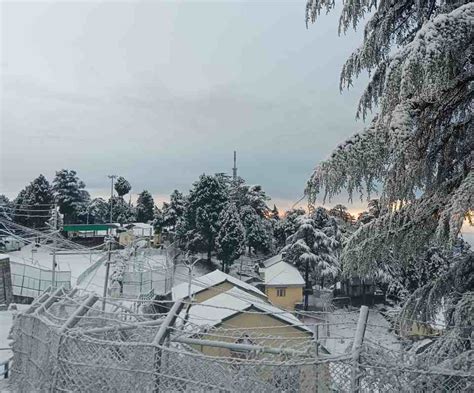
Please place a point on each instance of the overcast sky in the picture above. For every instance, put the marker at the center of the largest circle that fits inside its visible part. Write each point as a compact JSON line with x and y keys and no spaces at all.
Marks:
{"x":160,"y":92}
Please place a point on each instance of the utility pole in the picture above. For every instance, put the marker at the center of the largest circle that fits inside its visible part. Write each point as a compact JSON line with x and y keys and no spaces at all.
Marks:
{"x":234,"y":169}
{"x":111,"y":177}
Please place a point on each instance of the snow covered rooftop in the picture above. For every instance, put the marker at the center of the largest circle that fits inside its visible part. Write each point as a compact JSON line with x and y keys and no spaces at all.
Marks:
{"x":215,"y":310}
{"x":4,"y":256}
{"x":209,"y":280}
{"x":271,"y":261}
{"x":282,"y":273}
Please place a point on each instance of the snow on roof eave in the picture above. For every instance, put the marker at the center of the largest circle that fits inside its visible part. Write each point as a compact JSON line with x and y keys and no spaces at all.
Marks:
{"x":195,"y":292}
{"x":298,"y":326}
{"x":210,"y":280}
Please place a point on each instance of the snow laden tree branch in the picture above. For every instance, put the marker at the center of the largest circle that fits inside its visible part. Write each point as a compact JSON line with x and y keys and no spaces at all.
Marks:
{"x":418,"y":148}
{"x":452,"y":293}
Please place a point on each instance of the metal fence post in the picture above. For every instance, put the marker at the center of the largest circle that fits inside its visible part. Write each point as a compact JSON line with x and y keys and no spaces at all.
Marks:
{"x":160,"y":338}
{"x":356,"y":348}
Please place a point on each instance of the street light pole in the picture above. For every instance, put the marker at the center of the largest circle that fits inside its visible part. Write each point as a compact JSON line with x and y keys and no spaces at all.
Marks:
{"x":111,"y":177}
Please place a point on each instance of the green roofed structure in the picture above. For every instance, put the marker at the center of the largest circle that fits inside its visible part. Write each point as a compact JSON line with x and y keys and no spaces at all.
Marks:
{"x":88,"y":227}
{"x":89,"y":234}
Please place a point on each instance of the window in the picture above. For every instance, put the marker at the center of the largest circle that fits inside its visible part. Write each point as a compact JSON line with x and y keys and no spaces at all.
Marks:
{"x":281,"y":292}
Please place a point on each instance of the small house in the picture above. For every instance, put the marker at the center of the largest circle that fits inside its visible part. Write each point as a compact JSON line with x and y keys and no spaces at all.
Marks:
{"x":283,"y":282}
{"x":235,"y":310}
{"x":136,"y":231}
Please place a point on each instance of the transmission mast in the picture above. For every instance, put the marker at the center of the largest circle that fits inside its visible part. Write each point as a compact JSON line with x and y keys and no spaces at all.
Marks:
{"x":234,"y":169}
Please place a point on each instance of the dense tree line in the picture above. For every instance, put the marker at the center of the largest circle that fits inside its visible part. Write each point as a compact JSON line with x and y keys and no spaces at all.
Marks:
{"x":221,"y":217}
{"x":34,"y":205}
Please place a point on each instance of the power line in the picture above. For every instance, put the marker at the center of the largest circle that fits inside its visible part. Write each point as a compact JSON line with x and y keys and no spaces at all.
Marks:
{"x":26,"y":204}
{"x":24,"y":209}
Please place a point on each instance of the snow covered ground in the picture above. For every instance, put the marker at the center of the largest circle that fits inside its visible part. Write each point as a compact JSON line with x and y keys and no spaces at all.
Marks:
{"x":338,"y":335}
{"x":75,"y":263}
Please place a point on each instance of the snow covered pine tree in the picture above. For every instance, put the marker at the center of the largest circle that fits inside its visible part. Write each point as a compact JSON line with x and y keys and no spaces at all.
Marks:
{"x":200,"y":225}
{"x":34,"y":203}
{"x":145,"y":207}
{"x":313,"y":252}
{"x":418,"y":148}
{"x":230,"y":240}
{"x":70,"y":194}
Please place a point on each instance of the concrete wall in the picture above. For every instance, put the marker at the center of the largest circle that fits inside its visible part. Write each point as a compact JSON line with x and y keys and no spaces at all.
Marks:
{"x":6,"y":295}
{"x":293,"y":295}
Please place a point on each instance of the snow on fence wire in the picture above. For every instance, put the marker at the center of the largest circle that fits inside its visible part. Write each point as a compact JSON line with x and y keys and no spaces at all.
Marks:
{"x":64,"y":342}
{"x":138,"y":283}
{"x":384,"y":370}
{"x":144,"y":273}
{"x":30,"y":281}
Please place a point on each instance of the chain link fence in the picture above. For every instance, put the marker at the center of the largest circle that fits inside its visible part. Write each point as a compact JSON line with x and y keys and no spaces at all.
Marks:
{"x":30,"y":281}
{"x":66,"y":343}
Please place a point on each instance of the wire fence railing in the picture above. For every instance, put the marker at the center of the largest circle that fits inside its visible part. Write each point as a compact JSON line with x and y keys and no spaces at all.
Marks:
{"x":66,"y":342}
{"x":31,"y":281}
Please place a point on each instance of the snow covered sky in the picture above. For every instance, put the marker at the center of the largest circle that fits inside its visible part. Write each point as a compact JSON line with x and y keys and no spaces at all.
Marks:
{"x":160,"y":92}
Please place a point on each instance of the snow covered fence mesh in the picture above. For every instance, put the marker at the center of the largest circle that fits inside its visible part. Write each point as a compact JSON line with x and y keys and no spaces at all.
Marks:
{"x":65,"y":342}
{"x":382,"y":369}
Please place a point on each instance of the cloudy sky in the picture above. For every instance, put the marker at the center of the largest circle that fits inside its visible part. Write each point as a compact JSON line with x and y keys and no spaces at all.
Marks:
{"x":160,"y":92}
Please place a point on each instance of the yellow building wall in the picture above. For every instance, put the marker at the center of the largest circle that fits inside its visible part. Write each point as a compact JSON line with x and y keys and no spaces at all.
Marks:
{"x":213,"y":291}
{"x":156,"y":239}
{"x":293,"y":295}
{"x":312,"y":378}
{"x":251,"y":324}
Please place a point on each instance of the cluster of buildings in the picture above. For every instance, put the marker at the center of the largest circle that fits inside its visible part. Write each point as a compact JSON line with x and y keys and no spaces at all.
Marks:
{"x":94,"y":234}
{"x":217,"y":302}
